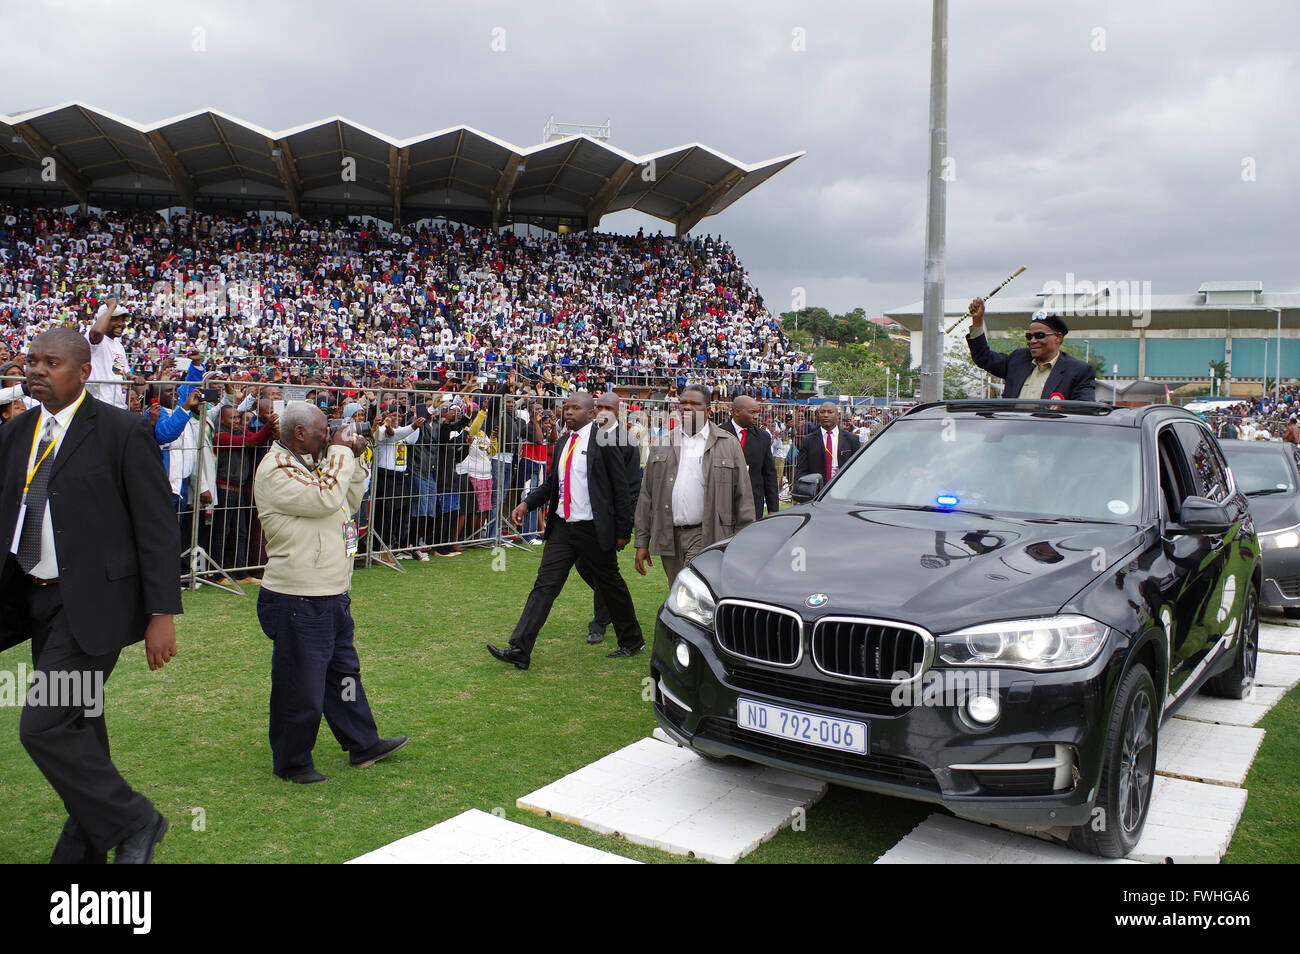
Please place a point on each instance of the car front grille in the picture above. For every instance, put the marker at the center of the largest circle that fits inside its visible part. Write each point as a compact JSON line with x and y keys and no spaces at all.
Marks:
{"x":762,"y":633}
{"x":1290,"y":586}
{"x":868,"y":649}
{"x":885,"y":768}
{"x":867,"y":698}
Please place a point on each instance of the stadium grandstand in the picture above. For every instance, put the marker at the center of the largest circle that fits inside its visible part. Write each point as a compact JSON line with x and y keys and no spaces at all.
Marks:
{"x":252,"y":247}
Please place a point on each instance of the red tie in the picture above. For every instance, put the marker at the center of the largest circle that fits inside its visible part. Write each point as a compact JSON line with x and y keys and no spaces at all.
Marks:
{"x":830,"y":458}
{"x":743,"y":432}
{"x":568,"y":466}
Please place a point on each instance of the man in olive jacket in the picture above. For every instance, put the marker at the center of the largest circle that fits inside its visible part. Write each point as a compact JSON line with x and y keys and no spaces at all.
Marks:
{"x":695,"y":490}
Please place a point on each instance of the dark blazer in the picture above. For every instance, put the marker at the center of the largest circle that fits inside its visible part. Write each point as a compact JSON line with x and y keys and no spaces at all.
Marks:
{"x":812,"y":452}
{"x":1073,"y":379}
{"x":115,"y":527}
{"x":762,"y":468}
{"x":607,"y":486}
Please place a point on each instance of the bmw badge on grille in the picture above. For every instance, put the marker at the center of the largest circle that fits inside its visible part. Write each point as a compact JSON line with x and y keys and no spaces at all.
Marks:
{"x":816,"y":600}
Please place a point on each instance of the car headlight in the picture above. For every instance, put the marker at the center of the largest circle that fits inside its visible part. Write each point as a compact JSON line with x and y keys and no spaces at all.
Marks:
{"x":1055,"y":642}
{"x":690,"y":597}
{"x":1285,"y":539}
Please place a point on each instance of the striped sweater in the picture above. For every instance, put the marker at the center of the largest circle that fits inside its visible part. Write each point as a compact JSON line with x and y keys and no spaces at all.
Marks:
{"x":303,"y":517}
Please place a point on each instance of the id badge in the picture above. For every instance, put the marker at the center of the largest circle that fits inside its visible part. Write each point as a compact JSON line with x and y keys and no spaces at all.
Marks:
{"x":350,"y":537}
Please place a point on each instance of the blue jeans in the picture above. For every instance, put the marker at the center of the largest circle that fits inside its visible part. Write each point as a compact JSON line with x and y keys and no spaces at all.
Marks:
{"x":315,"y":671}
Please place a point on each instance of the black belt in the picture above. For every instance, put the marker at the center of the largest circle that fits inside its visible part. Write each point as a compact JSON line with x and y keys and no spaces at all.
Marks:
{"x":687,"y":526}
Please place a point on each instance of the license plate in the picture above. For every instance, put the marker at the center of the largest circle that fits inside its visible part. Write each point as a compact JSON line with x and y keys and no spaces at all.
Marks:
{"x":810,"y":728}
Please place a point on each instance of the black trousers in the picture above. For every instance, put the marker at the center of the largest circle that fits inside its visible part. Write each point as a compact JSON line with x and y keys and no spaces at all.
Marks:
{"x":568,"y":544}
{"x":600,"y":614}
{"x":63,"y":729}
{"x":392,"y":490}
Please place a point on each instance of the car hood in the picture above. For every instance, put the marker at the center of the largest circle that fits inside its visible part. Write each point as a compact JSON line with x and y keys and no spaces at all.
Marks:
{"x":1274,"y":511}
{"x":942,"y":571}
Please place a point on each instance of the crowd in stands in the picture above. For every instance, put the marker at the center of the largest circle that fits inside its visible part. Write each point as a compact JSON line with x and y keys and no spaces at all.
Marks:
{"x":1261,"y":419}
{"x":351,"y":303}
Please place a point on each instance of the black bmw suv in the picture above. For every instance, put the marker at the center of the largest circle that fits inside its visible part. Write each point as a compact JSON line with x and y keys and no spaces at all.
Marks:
{"x":994,"y":607}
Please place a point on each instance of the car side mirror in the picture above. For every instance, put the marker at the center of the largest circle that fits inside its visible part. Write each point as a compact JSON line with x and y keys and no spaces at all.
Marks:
{"x":1200,"y":515}
{"x":807,"y":487}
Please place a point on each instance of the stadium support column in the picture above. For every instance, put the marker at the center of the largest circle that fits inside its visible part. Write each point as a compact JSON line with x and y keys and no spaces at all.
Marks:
{"x":398,"y":160}
{"x":690,"y":216}
{"x":66,"y":174}
{"x":181,"y":180}
{"x":608,"y":192}
{"x":288,"y":175}
{"x":935,"y":211}
{"x":505,"y":184}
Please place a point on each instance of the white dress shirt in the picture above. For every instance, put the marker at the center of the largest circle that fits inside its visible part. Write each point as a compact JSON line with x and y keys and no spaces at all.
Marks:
{"x":48,"y":567}
{"x":688,"y":488}
{"x":579,"y":493}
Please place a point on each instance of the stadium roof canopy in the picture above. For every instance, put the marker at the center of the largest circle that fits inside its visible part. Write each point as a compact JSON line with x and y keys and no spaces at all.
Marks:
{"x":211,"y":161}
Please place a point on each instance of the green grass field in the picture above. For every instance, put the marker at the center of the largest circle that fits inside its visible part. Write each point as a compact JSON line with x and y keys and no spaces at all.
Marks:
{"x":193,"y":736}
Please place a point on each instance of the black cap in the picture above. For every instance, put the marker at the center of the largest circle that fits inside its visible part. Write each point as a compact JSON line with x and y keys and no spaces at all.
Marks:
{"x":1055,"y":322}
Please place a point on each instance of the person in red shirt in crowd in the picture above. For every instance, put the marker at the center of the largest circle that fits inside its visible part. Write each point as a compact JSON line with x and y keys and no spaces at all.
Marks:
{"x":235,"y":465}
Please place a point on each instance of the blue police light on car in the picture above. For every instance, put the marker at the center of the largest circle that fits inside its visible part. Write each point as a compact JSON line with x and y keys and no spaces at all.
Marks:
{"x":946,"y":500}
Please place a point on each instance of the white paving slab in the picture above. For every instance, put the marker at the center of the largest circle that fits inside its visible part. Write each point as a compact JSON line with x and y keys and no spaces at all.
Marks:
{"x":1276,"y":669}
{"x":1207,"y":753}
{"x":943,"y":840}
{"x":1202,"y":708}
{"x":1189,"y":822}
{"x":672,"y":799}
{"x":1279,"y":639}
{"x":476,"y":837}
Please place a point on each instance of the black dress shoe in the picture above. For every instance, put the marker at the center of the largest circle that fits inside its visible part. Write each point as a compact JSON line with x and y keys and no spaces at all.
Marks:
{"x":138,"y":848}
{"x":510,"y":655}
{"x":72,"y":847}
{"x":625,"y":652}
{"x":594,"y":638}
{"x":380,"y":750}
{"x":307,"y":776}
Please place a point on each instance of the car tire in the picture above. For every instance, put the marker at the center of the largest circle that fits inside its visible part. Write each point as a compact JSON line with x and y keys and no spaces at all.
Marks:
{"x":1238,"y":682}
{"x":1127,"y":772}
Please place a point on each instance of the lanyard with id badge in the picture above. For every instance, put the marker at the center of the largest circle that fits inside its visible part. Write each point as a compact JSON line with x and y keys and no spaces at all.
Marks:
{"x":350,"y":534}
{"x":31,"y":471}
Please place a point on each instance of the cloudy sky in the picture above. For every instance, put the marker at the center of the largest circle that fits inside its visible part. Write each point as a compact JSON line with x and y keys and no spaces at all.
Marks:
{"x":1120,"y":141}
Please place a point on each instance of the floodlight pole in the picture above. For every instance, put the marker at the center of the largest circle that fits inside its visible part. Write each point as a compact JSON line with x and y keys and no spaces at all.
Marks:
{"x":935,"y":211}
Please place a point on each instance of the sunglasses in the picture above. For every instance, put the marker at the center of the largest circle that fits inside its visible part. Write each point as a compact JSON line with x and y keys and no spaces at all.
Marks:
{"x":1038,"y":335}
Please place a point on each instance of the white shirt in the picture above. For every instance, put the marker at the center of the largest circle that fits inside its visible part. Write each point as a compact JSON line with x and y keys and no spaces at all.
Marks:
{"x":387,"y":454}
{"x":108,"y":363}
{"x":688,"y":487}
{"x":48,"y":567}
{"x":579,"y":493}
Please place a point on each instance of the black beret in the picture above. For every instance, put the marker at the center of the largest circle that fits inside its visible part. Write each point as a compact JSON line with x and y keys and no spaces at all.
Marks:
{"x":1055,"y":322}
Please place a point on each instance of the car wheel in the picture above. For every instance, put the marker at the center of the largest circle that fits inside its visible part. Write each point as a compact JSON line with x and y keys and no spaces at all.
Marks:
{"x":1239,"y":681}
{"x":1127,"y":772}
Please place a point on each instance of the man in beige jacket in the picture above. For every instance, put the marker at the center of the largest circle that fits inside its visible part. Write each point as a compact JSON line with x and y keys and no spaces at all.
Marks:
{"x":306,"y":490}
{"x":695,"y":490}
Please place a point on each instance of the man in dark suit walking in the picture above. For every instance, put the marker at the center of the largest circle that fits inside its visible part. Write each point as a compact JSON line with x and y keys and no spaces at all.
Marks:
{"x":613,"y":437}
{"x":1041,"y":370}
{"x":828,"y":448}
{"x":590,"y":519}
{"x":90,"y":543}
{"x":757,"y":448}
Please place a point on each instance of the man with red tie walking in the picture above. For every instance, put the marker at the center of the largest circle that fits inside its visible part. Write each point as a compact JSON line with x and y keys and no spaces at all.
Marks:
{"x":826,"y":449}
{"x":591,"y":519}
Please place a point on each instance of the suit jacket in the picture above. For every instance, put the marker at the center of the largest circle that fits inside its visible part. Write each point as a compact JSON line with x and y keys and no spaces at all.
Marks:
{"x":728,"y":499}
{"x":812,"y":452}
{"x":607,"y":486}
{"x":115,"y":527}
{"x":762,"y":468}
{"x":1073,"y":379}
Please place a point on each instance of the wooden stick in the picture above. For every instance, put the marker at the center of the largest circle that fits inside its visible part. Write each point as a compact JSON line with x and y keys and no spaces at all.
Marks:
{"x":1005,"y":281}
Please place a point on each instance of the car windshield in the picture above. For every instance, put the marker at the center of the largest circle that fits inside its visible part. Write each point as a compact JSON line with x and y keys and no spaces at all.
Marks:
{"x":1257,"y":473}
{"x":1015,"y":467}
